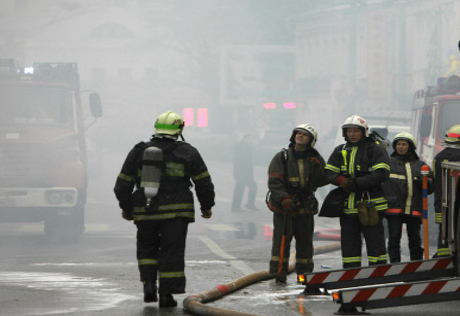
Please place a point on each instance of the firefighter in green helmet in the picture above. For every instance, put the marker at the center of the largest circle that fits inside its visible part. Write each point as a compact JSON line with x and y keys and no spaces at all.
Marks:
{"x":162,"y":218}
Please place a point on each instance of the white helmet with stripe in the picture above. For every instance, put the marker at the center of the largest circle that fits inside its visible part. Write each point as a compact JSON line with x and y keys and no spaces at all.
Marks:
{"x":453,"y":135}
{"x":357,"y":122}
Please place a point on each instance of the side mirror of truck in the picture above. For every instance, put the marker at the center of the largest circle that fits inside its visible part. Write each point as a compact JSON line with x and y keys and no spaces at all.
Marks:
{"x":425,"y":125}
{"x":95,"y":105}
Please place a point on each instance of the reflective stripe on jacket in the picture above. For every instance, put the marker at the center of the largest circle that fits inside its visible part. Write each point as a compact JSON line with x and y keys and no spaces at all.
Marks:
{"x":448,"y":154}
{"x":182,"y":164}
{"x":404,"y":190}
{"x":368,"y":164}
{"x":302,"y":177}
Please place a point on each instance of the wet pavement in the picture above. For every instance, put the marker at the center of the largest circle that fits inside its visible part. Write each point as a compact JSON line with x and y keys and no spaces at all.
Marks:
{"x":99,"y":276}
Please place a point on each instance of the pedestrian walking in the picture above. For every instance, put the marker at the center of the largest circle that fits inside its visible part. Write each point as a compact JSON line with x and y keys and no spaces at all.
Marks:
{"x":359,"y":167}
{"x":293,"y":176}
{"x":404,"y":194}
{"x":451,"y":152}
{"x":162,"y":210}
{"x":243,"y":173}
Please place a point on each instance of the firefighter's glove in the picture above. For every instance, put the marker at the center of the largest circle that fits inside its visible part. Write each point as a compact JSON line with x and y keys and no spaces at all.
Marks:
{"x":128,"y":215}
{"x":338,"y":181}
{"x":288,"y":205}
{"x":206,"y":213}
{"x":348,"y":185}
{"x":314,"y":161}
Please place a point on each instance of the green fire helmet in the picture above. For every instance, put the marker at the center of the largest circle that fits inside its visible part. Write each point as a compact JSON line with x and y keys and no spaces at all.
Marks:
{"x":169,"y":123}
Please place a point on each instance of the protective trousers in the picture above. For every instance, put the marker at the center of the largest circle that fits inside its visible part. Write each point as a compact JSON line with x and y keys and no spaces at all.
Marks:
{"x":443,"y":246}
{"x":161,"y":251}
{"x":413,"y":225}
{"x":302,"y":231}
{"x":351,"y":230}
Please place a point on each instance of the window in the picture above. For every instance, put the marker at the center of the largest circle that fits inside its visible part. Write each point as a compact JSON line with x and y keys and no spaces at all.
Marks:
{"x":450,"y":116}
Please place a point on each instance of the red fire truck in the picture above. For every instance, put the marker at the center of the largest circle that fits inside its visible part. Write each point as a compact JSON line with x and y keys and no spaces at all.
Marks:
{"x":42,"y":147}
{"x":436,"y":109}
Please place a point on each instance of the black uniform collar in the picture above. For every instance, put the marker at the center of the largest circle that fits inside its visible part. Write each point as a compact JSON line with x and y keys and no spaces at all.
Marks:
{"x":358,"y":143}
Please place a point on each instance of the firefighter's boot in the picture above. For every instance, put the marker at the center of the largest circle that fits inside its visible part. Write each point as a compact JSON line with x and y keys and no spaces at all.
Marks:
{"x":281,"y":278}
{"x":350,"y":311}
{"x":167,"y":300}
{"x":150,"y":292}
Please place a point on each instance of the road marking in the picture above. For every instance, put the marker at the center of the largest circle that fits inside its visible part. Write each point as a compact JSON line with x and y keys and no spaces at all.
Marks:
{"x":86,"y":293}
{"x":96,"y":227}
{"x":31,"y":228}
{"x":38,"y":227}
{"x":228,"y":200}
{"x":221,"y":227}
{"x":239,"y":264}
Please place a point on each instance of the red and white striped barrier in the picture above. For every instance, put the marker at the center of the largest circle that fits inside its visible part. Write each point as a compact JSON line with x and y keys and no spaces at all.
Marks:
{"x":378,"y":271}
{"x":399,"y":294}
{"x":400,"y":290}
{"x":395,"y":272}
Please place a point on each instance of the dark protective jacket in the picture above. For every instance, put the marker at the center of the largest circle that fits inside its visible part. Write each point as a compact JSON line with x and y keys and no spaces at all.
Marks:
{"x":404,"y":190}
{"x":182,"y":163}
{"x":448,"y":154}
{"x":368,"y":164}
{"x":298,"y":181}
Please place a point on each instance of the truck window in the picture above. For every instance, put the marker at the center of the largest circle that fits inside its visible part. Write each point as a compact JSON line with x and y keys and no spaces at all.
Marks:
{"x":34,"y":105}
{"x":450,"y":116}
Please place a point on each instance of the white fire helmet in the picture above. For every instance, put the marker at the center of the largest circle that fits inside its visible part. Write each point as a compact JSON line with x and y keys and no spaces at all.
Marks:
{"x":407,"y":137}
{"x":357,"y":122}
{"x":307,"y":128}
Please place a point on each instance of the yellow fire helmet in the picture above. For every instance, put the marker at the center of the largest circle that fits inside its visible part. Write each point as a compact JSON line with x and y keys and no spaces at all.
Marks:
{"x":453,"y":135}
{"x":169,"y":123}
{"x":404,"y":136}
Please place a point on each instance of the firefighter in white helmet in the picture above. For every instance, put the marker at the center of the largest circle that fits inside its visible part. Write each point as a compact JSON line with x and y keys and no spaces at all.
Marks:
{"x":451,"y":152}
{"x":359,"y":167}
{"x":162,"y":225}
{"x":404,"y":193}
{"x":293,"y":176}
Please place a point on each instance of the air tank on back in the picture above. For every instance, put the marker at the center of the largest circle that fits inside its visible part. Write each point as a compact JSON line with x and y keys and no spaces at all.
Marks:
{"x":151,"y":172}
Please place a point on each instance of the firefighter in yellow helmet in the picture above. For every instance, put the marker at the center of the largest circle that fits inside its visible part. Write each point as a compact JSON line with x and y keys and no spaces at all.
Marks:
{"x":404,"y":193}
{"x":162,"y":223}
{"x":293,"y":176}
{"x":451,"y":152}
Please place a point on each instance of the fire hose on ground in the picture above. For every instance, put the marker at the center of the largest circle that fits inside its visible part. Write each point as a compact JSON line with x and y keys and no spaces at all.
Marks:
{"x":196,"y":303}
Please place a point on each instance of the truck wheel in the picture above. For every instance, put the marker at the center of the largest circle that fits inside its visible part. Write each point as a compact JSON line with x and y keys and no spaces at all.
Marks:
{"x":51,"y":226}
{"x":66,"y":228}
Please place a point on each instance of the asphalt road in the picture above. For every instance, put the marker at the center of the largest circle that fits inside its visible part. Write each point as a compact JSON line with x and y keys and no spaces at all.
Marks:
{"x":99,"y":276}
